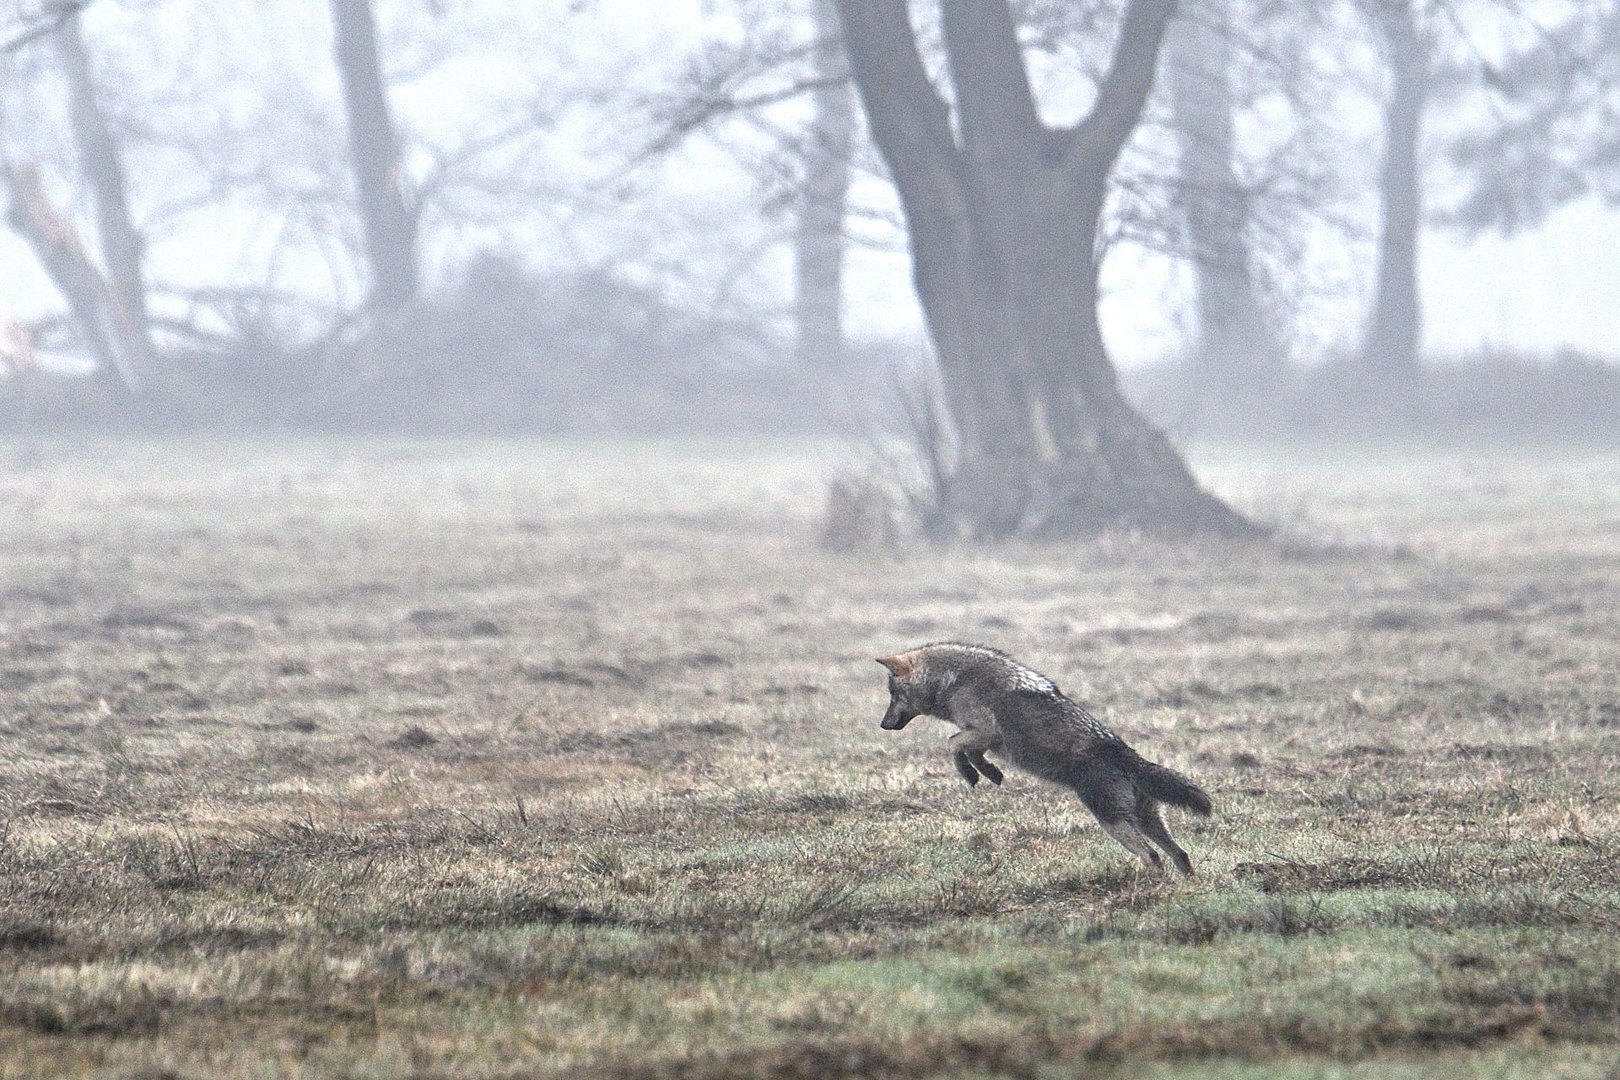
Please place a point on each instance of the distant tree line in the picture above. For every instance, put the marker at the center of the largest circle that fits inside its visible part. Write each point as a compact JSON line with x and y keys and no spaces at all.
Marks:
{"x":1011,"y":145}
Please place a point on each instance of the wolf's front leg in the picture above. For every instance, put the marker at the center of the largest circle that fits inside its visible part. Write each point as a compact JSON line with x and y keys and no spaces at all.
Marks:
{"x":967,"y":751}
{"x":990,"y":772}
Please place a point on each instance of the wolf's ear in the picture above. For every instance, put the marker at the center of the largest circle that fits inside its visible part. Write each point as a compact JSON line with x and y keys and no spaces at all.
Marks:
{"x":900,"y":665}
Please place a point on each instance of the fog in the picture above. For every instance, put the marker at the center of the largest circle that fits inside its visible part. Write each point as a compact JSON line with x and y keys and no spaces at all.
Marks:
{"x":460,"y":459}
{"x":617,"y":196}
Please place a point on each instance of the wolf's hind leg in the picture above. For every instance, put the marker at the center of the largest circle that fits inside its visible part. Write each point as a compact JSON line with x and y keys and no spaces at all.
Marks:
{"x":1110,"y":796}
{"x":1127,"y":833}
{"x":1147,"y":812}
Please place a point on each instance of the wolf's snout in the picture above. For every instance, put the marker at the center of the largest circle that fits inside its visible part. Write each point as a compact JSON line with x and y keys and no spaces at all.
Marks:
{"x":894,"y":720}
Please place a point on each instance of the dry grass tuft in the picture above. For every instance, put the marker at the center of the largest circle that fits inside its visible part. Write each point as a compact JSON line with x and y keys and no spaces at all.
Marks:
{"x":861,"y":516}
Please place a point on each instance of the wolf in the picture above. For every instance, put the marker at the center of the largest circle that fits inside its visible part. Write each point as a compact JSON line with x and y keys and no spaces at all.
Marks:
{"x":1003,"y":707}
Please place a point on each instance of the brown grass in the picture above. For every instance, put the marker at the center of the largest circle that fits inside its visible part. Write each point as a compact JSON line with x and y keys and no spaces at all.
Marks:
{"x":510,"y":759}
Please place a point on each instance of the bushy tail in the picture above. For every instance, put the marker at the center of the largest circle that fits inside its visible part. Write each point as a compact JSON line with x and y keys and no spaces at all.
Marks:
{"x":1169,"y":786}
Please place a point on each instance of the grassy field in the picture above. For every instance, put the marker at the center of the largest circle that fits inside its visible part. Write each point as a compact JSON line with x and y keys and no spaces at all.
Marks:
{"x":329,"y":758}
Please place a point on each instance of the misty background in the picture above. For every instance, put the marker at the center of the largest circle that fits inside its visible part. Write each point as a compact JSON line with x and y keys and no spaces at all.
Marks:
{"x":459,"y":460}
{"x":461,"y":216}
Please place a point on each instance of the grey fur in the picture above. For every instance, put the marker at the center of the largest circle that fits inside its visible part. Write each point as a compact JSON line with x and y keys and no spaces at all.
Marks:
{"x":1020,"y":715}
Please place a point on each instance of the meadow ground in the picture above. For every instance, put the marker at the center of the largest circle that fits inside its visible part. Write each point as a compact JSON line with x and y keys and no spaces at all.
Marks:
{"x":501,"y":758}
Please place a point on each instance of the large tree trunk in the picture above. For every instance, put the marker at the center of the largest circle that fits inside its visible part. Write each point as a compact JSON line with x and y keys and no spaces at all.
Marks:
{"x":1003,"y":229}
{"x":819,"y":246}
{"x":1239,"y":355}
{"x":1390,"y":347}
{"x":388,"y":219}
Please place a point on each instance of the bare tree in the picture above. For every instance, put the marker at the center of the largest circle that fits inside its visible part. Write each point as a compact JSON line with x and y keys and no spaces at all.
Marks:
{"x":1238,"y":352}
{"x":1002,"y":213}
{"x":1393,"y":337}
{"x":819,"y":244}
{"x":109,"y":306}
{"x":1544,"y":138}
{"x":103,"y":169}
{"x":390,"y":222}
{"x":1549,"y":136}
{"x":121,"y":350}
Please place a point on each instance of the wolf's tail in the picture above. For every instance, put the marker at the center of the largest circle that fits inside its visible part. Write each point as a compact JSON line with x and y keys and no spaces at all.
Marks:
{"x":1169,"y":786}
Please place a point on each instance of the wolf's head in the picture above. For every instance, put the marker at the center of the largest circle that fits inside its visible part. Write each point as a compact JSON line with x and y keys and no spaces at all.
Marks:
{"x":910,"y":694}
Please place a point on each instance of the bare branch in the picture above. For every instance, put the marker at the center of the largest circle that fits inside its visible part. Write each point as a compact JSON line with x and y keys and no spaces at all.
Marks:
{"x":1125,"y":89}
{"x":698,"y":111}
